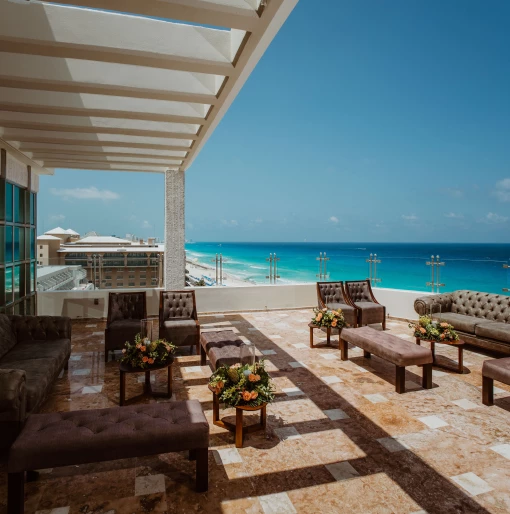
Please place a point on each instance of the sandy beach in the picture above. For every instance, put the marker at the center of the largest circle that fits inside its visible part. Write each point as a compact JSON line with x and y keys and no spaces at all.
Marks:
{"x":198,"y":269}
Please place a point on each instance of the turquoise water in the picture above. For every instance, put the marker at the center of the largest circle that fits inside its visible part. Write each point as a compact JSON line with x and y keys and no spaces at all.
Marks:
{"x":477,"y":267}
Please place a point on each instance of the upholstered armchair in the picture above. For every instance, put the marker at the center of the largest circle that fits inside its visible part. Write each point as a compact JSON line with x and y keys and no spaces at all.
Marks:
{"x":178,"y":319}
{"x":359,"y":294}
{"x":125,"y":311}
{"x":331,"y":295}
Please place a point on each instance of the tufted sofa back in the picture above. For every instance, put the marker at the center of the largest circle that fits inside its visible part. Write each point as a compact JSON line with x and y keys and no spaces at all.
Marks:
{"x":126,"y":306}
{"x":493,"y":307}
{"x":40,"y":328}
{"x":177,"y":305}
{"x":330,"y":292}
{"x":359,"y":291}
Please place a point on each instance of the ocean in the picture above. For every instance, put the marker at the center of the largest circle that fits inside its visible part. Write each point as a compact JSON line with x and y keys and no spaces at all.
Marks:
{"x":478,"y":267}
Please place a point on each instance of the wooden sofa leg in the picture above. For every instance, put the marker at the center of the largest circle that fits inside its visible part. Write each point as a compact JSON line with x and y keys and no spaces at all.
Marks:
{"x":344,"y":350}
{"x":16,"y":493}
{"x":488,"y":391}
{"x":400,"y":379}
{"x":366,"y":354}
{"x":427,"y":376}
{"x":202,"y":469}
{"x":192,"y":455}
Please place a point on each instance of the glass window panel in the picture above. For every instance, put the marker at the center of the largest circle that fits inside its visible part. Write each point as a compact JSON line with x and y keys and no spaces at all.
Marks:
{"x":17,"y":204}
{"x":8,"y":202}
{"x":2,"y":199}
{"x":32,"y":243}
{"x":32,"y":208}
{"x":8,"y":285}
{"x":17,"y":243}
{"x":2,"y":287}
{"x":2,"y":244}
{"x":8,"y":244}
{"x":17,"y":282}
{"x":26,"y":203}
{"x":22,"y":252}
{"x":32,"y":277}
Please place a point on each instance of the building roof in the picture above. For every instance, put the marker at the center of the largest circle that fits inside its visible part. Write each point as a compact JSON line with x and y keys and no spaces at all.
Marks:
{"x":101,"y":240}
{"x":46,"y":237}
{"x":72,"y":232}
{"x":110,"y":249}
{"x":141,"y":88}
{"x":57,"y":231}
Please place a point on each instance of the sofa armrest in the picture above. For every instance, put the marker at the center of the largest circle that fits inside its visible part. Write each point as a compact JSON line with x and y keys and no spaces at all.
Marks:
{"x":41,"y":328}
{"x":12,"y":395}
{"x":436,"y":302}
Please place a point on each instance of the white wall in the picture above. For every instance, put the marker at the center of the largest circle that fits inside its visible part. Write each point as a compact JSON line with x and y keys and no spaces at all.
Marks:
{"x":81,"y":304}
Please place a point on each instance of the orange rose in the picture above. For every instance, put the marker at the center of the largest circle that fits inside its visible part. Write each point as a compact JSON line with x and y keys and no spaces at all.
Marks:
{"x":246,"y":396}
{"x":422,"y":330}
{"x":151,"y":361}
{"x":254,"y":395}
{"x":138,"y":346}
{"x":444,"y":325}
{"x":145,"y":359}
{"x":257,"y":377}
{"x":253,"y":378}
{"x":333,"y":323}
{"x":442,"y":336}
{"x":142,"y":348}
{"x":220,"y":385}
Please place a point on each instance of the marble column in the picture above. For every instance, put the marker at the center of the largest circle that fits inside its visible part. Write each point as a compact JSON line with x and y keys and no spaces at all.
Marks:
{"x":175,"y":257}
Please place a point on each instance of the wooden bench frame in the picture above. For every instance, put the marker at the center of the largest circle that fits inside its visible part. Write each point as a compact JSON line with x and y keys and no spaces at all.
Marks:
{"x":400,"y":372}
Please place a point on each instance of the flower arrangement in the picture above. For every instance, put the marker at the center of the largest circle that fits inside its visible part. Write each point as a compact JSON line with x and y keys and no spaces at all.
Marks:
{"x":144,"y":353}
{"x":327,"y":318}
{"x":242,"y":385}
{"x":432,"y":330}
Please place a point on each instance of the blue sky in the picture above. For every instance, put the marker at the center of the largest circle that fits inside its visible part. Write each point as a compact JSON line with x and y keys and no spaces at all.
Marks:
{"x":364,"y":121}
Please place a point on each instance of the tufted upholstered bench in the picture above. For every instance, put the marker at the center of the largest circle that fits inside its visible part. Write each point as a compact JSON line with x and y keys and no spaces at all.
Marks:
{"x":494,"y":369}
{"x":221,"y":347}
{"x":80,"y":437}
{"x":392,"y":349}
{"x":482,"y":319}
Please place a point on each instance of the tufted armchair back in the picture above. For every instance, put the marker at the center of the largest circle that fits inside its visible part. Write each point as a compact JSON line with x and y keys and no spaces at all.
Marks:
{"x":493,"y":307}
{"x":177,"y":305}
{"x":359,"y":291}
{"x":132,"y":306}
{"x":330,"y":292}
{"x":40,"y":328}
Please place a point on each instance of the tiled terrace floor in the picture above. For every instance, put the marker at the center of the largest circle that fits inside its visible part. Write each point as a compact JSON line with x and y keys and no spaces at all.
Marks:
{"x":339,"y":439}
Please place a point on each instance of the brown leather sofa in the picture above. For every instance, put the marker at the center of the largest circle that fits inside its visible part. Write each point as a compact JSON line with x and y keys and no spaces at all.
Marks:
{"x":331,"y":295}
{"x":33,"y":352}
{"x":481,"y":319}
{"x":125,"y":311}
{"x":178,"y":319}
{"x":359,"y":294}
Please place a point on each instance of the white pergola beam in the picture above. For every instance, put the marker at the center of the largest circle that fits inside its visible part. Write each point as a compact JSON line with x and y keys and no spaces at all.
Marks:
{"x":22,"y":157}
{"x":60,"y":31}
{"x":107,"y":167}
{"x":55,"y":150}
{"x":236,"y":14}
{"x":107,"y":158}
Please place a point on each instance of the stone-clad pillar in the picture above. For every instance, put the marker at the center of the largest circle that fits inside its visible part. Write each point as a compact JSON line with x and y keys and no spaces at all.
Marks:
{"x":175,"y":257}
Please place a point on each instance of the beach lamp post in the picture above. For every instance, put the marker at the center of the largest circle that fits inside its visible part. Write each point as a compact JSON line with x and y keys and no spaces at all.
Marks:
{"x":273,"y":268}
{"x":435,"y":267}
{"x":373,"y":261}
{"x":218,"y":260}
{"x":323,"y":265}
{"x":506,"y":289}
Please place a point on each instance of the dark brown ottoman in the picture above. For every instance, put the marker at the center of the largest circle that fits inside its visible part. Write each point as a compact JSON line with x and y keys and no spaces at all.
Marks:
{"x":221,"y":347}
{"x":392,"y":349}
{"x":494,"y":369}
{"x":80,"y":437}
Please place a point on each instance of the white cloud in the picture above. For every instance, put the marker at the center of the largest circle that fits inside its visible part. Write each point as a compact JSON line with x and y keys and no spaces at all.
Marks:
{"x":502,"y":192}
{"x":492,"y":217}
{"x":146,"y":224}
{"x":334,"y":219}
{"x":85,"y":193}
{"x":454,"y":215}
{"x":409,"y":217}
{"x":57,"y":217}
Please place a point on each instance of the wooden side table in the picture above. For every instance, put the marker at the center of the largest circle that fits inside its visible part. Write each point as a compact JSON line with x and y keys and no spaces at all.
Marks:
{"x":238,"y":428}
{"x":147,"y":387}
{"x":459,"y":344}
{"x":328,"y":335}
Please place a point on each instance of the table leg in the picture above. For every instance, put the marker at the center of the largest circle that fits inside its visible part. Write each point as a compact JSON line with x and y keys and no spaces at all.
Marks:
{"x":239,"y":428}
{"x":216,"y":408}
{"x":311,"y":337}
{"x":461,"y":359}
{"x":122,"y":388}
{"x":418,"y":341}
{"x":344,"y":350}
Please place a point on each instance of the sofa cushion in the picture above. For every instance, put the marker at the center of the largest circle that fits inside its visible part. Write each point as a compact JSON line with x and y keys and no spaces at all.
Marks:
{"x":124,"y":330}
{"x":497,"y":369}
{"x":181,"y":332}
{"x":40,"y":373}
{"x":7,"y":339}
{"x":60,"y":349}
{"x":494,"y":330}
{"x":350,"y":313}
{"x":461,"y":322}
{"x":371,"y":312}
